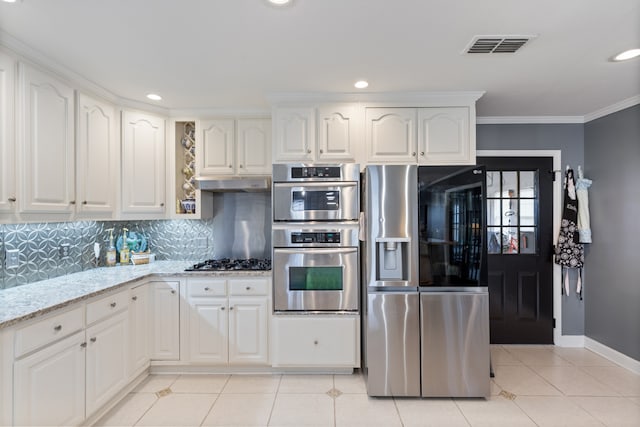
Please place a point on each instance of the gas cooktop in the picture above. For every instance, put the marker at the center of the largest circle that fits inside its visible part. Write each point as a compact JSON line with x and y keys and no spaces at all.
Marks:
{"x":226,"y":264}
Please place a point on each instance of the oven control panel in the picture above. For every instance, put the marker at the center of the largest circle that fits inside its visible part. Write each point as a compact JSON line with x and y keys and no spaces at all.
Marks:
{"x":323,"y":237}
{"x":315,"y":172}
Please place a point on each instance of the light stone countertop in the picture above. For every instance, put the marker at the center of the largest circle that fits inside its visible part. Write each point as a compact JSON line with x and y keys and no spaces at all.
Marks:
{"x":35,"y":299}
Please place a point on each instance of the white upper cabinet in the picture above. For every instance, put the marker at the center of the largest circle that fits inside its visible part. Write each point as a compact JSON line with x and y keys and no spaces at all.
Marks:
{"x":233,"y":147}
{"x":338,"y":133}
{"x":45,"y":135}
{"x":97,"y":161}
{"x":443,"y":136}
{"x":328,"y":133}
{"x":253,"y":146}
{"x":294,"y":134}
{"x":391,"y":135}
{"x":143,"y":163}
{"x":427,"y":136}
{"x":7,"y":144}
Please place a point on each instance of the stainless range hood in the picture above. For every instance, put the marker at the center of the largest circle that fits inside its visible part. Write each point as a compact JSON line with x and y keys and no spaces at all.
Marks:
{"x":234,"y":183}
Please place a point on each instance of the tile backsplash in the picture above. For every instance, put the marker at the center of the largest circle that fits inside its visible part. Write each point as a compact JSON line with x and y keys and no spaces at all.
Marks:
{"x":39,"y":245}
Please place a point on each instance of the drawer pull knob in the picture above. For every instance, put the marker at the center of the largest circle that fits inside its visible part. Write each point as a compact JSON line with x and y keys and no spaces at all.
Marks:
{"x":248,"y":288}
{"x":12,"y":199}
{"x":57,"y":328}
{"x":315,"y":342}
{"x":422,"y":153}
{"x":83,"y":345}
{"x":172,"y":291}
{"x":413,"y":154}
{"x":72,"y":202}
{"x":113,"y":304}
{"x":85,"y":202}
{"x":221,"y":308}
{"x":94,"y":339}
{"x":230,"y":308}
{"x":206,"y":289}
{"x":134,"y":298}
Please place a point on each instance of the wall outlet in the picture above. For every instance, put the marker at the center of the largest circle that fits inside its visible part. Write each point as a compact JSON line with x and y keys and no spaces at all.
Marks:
{"x":12,"y":258}
{"x":201,"y":242}
{"x":64,"y":251}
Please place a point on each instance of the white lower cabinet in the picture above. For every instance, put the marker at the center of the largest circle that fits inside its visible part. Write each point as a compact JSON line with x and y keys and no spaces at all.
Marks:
{"x":107,"y":360}
{"x":165,"y":308}
{"x":138,"y":330}
{"x":316,"y":341}
{"x":228,"y":321}
{"x":49,"y":385}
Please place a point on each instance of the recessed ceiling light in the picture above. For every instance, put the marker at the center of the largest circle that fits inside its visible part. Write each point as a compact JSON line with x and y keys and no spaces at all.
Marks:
{"x":627,"y":54}
{"x":279,"y":2}
{"x":9,"y":1}
{"x":361,"y":84}
{"x":154,"y":97}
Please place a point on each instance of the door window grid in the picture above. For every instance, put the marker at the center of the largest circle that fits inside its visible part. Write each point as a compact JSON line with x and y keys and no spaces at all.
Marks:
{"x":512,"y":217}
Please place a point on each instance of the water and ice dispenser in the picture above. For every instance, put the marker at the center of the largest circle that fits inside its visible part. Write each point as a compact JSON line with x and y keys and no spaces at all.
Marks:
{"x":392,"y":259}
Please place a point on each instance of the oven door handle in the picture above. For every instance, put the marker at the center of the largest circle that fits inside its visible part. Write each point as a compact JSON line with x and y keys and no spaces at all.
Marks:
{"x":319,"y":251}
{"x":329,"y":186}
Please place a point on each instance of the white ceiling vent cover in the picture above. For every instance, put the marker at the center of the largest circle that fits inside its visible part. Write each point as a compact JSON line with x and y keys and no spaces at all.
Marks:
{"x":496,"y":44}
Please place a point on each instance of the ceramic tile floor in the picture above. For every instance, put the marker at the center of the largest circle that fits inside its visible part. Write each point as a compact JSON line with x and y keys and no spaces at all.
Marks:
{"x":533,"y":386}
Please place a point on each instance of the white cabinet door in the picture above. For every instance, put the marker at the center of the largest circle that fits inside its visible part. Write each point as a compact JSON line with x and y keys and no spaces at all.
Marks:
{"x":338,"y":133}
{"x":139,"y":330}
{"x":248,"y":331}
{"x":391,"y":135}
{"x":253,"y":147}
{"x":214,"y":147}
{"x":208,"y":330}
{"x":107,"y":357}
{"x":49,"y":385}
{"x":165,"y":301}
{"x":294,"y":134}
{"x":143,"y":163}
{"x":7,"y":142}
{"x":316,"y":341}
{"x":443,"y":135}
{"x":98,"y":152}
{"x":46,"y":138}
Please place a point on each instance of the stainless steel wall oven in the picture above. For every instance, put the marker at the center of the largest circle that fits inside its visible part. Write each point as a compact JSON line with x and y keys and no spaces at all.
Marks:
{"x":315,"y":238}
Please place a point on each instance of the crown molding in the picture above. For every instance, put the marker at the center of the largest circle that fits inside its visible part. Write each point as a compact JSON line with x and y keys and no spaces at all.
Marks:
{"x":441,"y":99}
{"x":618,"y":106}
{"x":511,"y":120}
{"x":221,"y":112}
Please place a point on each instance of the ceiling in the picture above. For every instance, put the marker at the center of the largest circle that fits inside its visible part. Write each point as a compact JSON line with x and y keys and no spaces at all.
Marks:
{"x":204,"y":54}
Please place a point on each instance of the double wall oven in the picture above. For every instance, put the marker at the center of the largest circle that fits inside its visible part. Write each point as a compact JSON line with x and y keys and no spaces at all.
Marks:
{"x":315,"y":237}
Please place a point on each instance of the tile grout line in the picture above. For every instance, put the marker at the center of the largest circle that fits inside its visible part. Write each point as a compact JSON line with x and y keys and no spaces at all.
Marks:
{"x":273,"y":405}
{"x":462,"y":412}
{"x":214,"y":401}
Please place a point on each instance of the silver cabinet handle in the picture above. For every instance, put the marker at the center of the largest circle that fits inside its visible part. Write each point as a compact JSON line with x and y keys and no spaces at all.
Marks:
{"x":72,"y":202}
{"x":134,"y":298}
{"x":240,"y":166}
{"x":413,"y":154}
{"x":12,"y":199}
{"x":161,"y":204}
{"x":230,"y":308}
{"x":57,"y":328}
{"x":422,"y":153}
{"x":84,"y":202}
{"x":113,"y":305}
{"x":230,"y":166}
{"x":248,"y":288}
{"x":206,"y":289}
{"x":221,"y":308}
{"x":308,"y":151}
{"x":315,"y":342}
{"x":321,"y":151}
{"x":172,"y":291}
{"x":94,"y":339}
{"x":83,"y":345}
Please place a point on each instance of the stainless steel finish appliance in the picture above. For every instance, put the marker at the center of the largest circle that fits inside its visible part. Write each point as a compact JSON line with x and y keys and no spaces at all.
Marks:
{"x":220,"y":184}
{"x":429,"y":340}
{"x":315,"y":267}
{"x":316,"y":192}
{"x":315,"y":238}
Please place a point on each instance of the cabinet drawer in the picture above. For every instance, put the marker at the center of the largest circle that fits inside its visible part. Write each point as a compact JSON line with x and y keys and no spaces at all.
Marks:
{"x":249,"y":287}
{"x":206,"y":288}
{"x":104,"y":307}
{"x":315,"y":341}
{"x":48,"y":330}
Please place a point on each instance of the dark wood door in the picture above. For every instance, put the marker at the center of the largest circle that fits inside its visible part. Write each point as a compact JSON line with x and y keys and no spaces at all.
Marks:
{"x":519,"y":243}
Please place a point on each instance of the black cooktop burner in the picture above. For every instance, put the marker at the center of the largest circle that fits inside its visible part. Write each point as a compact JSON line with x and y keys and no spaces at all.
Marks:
{"x":226,"y":264}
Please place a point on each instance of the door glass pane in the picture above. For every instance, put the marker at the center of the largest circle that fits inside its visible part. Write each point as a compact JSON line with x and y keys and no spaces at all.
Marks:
{"x":493,"y":184}
{"x":528,"y":240}
{"x":315,"y":278}
{"x":527,"y":212}
{"x":493,"y":237}
{"x":510,"y":240}
{"x":493,"y":212}
{"x":527,"y":184}
{"x":510,"y":211}
{"x":509,"y":184}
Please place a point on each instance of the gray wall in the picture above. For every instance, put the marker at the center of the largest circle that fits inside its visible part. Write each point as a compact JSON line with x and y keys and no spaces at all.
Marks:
{"x":612,"y":153}
{"x":569,"y":138}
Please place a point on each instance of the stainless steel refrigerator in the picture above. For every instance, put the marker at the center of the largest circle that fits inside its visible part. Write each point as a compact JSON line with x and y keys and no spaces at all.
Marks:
{"x":425,"y":303}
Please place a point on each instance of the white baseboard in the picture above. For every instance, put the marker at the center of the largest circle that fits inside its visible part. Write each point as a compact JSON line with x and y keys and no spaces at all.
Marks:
{"x":570,"y":341}
{"x":613,"y":355}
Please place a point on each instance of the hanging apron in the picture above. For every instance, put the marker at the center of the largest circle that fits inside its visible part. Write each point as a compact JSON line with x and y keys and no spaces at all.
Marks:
{"x":569,"y":250}
{"x":582,"y":193}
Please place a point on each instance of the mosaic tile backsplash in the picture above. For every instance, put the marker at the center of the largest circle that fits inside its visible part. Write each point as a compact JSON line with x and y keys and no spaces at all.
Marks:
{"x":39,"y":245}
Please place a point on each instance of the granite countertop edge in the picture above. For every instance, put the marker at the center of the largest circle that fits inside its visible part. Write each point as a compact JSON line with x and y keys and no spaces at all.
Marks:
{"x":25,"y":302}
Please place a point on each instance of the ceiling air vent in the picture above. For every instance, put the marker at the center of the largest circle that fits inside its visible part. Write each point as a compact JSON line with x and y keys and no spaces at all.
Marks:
{"x":497,"y":44}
